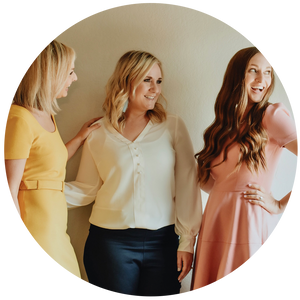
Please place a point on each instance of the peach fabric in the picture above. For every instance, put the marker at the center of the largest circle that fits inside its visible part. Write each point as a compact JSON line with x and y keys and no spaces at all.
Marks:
{"x":233,"y":229}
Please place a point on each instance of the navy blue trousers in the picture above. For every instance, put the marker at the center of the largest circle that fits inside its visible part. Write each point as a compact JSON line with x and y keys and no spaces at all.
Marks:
{"x":133,"y":261}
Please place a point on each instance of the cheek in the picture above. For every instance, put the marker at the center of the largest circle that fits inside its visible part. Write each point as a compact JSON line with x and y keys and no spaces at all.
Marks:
{"x":247,"y":81}
{"x":269,"y":82}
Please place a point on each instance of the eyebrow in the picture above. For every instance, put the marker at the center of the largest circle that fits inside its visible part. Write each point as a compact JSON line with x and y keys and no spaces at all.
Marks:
{"x":269,"y":67}
{"x":152,"y":77}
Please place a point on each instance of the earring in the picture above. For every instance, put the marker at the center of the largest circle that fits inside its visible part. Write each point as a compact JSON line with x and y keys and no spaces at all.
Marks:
{"x":125,"y":106}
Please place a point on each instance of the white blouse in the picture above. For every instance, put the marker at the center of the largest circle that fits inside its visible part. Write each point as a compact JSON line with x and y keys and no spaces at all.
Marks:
{"x":148,"y":183}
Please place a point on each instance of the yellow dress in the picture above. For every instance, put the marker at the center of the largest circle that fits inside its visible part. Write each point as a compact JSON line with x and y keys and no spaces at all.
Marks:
{"x":41,"y":198}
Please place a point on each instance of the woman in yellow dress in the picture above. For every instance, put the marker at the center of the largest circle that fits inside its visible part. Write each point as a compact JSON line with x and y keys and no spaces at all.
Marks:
{"x":35,"y":156}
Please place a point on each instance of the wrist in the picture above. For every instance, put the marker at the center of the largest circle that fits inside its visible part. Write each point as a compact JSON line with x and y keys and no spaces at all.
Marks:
{"x":285,"y":202}
{"x":78,"y":140}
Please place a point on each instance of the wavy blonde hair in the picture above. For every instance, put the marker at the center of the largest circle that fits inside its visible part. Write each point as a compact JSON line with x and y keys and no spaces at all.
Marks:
{"x":130,"y":71}
{"x":45,"y":78}
{"x":230,"y":107}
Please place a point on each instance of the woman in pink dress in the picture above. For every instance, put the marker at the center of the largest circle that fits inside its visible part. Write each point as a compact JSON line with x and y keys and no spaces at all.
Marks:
{"x":236,"y":167}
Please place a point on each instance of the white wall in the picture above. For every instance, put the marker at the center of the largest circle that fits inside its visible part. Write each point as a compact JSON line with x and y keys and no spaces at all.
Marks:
{"x":194,"y":49}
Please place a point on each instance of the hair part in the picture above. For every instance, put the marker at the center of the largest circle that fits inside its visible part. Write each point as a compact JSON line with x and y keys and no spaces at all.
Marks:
{"x":130,"y":71}
{"x":230,"y":108}
{"x":45,"y":78}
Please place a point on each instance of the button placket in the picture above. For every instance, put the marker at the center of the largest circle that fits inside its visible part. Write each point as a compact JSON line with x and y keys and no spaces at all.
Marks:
{"x":137,"y":156}
{"x":139,"y":201}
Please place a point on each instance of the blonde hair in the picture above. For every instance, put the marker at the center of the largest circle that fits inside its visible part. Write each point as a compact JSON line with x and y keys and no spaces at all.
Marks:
{"x":45,"y":78}
{"x":230,"y":107}
{"x":130,"y":71}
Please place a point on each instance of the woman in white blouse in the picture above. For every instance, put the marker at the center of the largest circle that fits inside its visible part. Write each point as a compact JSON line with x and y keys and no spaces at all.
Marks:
{"x":140,"y":170}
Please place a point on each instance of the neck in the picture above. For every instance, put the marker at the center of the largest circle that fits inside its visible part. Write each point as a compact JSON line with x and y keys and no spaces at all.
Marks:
{"x":38,"y":112}
{"x":136,"y":116}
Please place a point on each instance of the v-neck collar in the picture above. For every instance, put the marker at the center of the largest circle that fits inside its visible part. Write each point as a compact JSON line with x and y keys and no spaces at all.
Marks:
{"x":118,"y":135}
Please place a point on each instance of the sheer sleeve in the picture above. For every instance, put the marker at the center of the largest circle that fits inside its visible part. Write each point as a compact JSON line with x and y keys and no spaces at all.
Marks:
{"x":188,"y":197}
{"x":84,"y":189}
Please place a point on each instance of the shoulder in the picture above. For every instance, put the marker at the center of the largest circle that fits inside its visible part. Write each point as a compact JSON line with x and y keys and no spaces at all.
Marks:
{"x":19,"y":118}
{"x":97,"y":134}
{"x":276,"y":113}
{"x":279,"y":123}
{"x":176,"y":126}
{"x":275,"y":108}
{"x":19,"y":111}
{"x":174,"y":120}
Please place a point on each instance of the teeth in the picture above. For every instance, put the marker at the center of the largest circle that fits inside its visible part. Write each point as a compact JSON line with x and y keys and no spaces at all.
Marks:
{"x":258,"y":88}
{"x":149,"y":97}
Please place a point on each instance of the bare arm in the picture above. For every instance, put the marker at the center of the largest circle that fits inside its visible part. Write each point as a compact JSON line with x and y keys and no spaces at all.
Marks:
{"x":258,"y":196}
{"x":292,"y":146}
{"x":74,"y":144}
{"x":14,"y":172}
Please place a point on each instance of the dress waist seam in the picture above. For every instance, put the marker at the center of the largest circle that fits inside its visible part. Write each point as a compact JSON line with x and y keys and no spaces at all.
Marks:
{"x":42,"y":185}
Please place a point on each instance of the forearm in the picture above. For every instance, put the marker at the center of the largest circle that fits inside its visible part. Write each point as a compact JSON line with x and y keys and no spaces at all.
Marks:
{"x":14,"y":172}
{"x":283,"y":202}
{"x":73,"y":145}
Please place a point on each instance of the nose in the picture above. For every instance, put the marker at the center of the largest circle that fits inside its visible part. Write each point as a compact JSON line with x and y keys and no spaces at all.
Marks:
{"x":154,"y":87}
{"x":75,"y":77}
{"x":259,"y":77}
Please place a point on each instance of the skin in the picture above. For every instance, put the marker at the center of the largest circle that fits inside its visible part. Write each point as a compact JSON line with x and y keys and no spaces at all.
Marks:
{"x":258,"y":78}
{"x":15,"y":167}
{"x":146,"y":95}
{"x":258,"y":74}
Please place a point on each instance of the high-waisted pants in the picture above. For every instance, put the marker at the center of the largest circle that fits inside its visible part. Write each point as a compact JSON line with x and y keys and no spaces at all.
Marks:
{"x":133,"y":261}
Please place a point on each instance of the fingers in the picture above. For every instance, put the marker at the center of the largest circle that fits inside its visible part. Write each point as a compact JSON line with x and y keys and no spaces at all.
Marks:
{"x":95,"y":126}
{"x":184,"y":263}
{"x":90,"y":122}
{"x":256,"y":192}
{"x":254,"y":195}
{"x":185,"y":270}
{"x":256,"y":187}
{"x":257,"y":202}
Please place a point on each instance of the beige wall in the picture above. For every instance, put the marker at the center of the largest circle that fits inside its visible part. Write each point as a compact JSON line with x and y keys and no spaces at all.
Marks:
{"x":194,"y":49}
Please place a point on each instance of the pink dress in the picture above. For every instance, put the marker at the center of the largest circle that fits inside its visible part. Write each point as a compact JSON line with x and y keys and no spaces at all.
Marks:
{"x":233,"y":229}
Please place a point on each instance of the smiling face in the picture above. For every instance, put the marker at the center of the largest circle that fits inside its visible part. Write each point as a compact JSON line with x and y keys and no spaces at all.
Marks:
{"x":258,"y":78}
{"x":148,"y":91}
{"x":71,"y":77}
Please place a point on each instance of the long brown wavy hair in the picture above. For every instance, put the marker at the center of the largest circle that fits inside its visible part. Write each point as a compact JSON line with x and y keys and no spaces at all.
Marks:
{"x":230,"y":108}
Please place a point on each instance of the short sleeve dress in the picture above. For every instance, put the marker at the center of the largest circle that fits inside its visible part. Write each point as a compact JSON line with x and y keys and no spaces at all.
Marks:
{"x":233,"y":229}
{"x":41,"y":197}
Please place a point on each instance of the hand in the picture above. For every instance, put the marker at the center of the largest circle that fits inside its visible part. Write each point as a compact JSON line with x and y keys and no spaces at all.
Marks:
{"x":86,"y":129}
{"x":184,"y":263}
{"x":258,"y":196}
{"x":78,"y":140}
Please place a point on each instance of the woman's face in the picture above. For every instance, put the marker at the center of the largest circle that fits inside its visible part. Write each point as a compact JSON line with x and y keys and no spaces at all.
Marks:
{"x":148,"y":91}
{"x":71,"y":77}
{"x":258,"y":78}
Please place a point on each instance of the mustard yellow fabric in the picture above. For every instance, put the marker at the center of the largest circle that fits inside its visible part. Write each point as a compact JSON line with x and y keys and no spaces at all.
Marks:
{"x":41,"y":198}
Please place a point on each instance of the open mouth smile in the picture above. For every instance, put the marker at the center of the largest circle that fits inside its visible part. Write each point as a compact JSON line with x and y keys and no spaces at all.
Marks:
{"x":257,"y":88}
{"x":150,"y":97}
